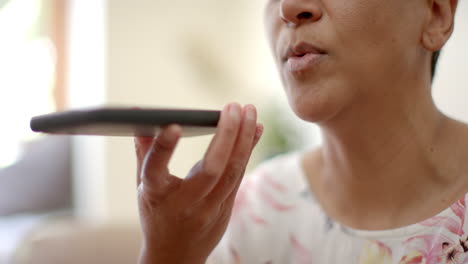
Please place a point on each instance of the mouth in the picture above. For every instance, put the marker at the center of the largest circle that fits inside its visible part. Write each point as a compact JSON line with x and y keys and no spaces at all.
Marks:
{"x":302,"y":56}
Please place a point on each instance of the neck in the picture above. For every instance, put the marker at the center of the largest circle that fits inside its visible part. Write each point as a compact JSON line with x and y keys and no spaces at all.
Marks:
{"x":376,"y":149}
{"x":369,"y":140}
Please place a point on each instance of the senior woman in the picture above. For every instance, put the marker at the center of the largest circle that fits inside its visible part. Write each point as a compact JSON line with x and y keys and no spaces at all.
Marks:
{"x":388,"y":184}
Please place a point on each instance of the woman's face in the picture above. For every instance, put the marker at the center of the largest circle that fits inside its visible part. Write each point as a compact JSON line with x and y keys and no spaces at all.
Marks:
{"x":335,"y":53}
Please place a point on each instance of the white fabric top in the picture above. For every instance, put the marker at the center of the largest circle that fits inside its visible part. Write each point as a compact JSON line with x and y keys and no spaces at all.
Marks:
{"x":276,"y":220}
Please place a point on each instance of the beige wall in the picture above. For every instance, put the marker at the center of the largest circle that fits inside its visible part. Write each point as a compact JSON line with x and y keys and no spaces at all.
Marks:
{"x":451,"y":83}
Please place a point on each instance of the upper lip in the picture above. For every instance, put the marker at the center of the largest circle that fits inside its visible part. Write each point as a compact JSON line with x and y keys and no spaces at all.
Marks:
{"x":301,"y":49}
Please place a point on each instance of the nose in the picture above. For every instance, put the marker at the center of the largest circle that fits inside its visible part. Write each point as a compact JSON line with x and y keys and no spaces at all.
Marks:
{"x":297,"y":12}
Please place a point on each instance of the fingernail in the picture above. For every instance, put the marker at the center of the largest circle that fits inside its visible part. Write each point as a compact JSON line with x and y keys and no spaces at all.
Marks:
{"x":250,"y":112}
{"x":172,"y":133}
{"x":234,"y":111}
{"x":259,"y":131}
{"x":227,"y":108}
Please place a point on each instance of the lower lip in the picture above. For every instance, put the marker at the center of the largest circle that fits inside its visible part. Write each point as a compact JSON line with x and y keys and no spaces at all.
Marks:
{"x":299,"y":64}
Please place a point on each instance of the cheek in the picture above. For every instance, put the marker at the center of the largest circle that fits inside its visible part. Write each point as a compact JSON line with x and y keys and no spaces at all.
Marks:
{"x":375,"y":23}
{"x":272,"y":24}
{"x":373,"y":35}
{"x":357,"y":27}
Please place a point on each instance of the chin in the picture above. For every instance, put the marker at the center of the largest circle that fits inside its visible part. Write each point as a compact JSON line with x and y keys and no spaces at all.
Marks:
{"x":313,"y":111}
{"x":320,"y":97}
{"x":317,"y":106}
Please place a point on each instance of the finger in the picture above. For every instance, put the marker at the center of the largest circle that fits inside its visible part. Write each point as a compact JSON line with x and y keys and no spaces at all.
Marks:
{"x":231,"y":197}
{"x":142,"y":145}
{"x":155,"y":173}
{"x":216,"y":157}
{"x":221,"y":200}
{"x":258,"y":134}
{"x":234,"y":172}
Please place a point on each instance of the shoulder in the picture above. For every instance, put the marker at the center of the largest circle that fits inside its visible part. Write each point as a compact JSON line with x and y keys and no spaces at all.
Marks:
{"x":273,"y":195}
{"x":273,"y":208}
{"x":283,"y":172}
{"x":270,"y":184}
{"x":455,"y":154}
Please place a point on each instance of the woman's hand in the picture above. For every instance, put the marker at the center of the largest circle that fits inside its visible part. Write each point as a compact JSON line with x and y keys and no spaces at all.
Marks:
{"x":184,"y":219}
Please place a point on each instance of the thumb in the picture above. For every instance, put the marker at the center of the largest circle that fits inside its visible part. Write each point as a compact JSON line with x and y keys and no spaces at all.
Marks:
{"x":154,"y":174}
{"x":142,"y":145}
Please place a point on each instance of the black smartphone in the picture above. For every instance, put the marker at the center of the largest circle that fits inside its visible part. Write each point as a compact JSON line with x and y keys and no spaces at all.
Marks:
{"x":126,"y":121}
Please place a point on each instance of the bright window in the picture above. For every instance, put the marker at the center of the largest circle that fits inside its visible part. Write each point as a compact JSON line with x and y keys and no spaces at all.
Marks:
{"x":27,"y":66}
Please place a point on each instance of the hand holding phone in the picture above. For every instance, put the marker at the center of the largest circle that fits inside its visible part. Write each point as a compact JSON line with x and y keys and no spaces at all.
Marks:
{"x":183,"y":219}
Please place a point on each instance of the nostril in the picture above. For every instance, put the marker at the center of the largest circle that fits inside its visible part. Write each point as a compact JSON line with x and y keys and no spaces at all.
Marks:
{"x":304,"y":15}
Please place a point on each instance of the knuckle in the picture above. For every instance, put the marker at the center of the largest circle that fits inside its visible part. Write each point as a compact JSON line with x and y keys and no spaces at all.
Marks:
{"x":248,"y":135}
{"x":225,"y":214}
{"x":235,"y":169}
{"x":155,"y":190}
{"x":231,"y":128}
{"x":147,"y":202}
{"x":210,"y":171}
{"x":197,"y":219}
{"x":231,"y":176}
{"x":203,"y":220}
{"x":161,"y":144}
{"x":148,"y":178}
{"x":230,"y":131}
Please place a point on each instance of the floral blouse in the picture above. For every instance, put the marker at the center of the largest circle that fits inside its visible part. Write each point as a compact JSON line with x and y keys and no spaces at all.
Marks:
{"x":276,"y":220}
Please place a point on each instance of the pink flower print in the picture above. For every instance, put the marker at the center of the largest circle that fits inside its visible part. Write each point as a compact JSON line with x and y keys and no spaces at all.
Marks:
{"x":464,"y":243}
{"x":459,"y":209}
{"x":270,"y":188}
{"x":274,"y":203}
{"x":435,"y":249}
{"x":452,"y":223}
{"x":427,"y":249}
{"x":375,"y":252}
{"x":242,"y":208}
{"x":453,"y":254}
{"x":300,"y":253}
{"x":257,"y":219}
{"x":235,"y":255}
{"x":242,"y":201}
{"x":274,"y":184}
{"x":413,"y":258}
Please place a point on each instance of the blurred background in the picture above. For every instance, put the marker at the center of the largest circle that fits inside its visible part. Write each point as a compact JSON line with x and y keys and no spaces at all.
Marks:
{"x":72,"y":199}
